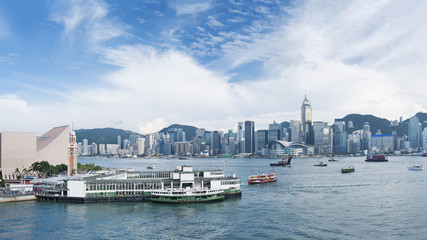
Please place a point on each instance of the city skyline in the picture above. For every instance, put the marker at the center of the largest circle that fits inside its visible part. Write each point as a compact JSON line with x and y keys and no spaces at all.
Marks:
{"x":211,"y":64}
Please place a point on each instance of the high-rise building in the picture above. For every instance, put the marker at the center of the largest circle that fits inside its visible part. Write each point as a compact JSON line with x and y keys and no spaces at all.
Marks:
{"x":340,"y":136}
{"x":262,"y":139}
{"x":414,"y":132}
{"x":366,"y":138}
{"x":294,"y":131}
{"x":239,"y":137}
{"x":85,"y":147}
{"x":273,"y":132}
{"x":119,"y":141}
{"x":306,"y":121}
{"x":322,"y":137}
{"x":94,"y":149}
{"x":425,"y":140}
{"x":249,"y":137}
{"x":216,"y":143}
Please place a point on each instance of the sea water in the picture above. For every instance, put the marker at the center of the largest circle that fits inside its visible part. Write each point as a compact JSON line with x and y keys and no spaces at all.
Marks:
{"x":377,"y":201}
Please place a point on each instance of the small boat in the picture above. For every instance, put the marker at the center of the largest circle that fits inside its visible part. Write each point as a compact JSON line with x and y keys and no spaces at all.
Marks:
{"x":187,"y":195}
{"x":347,"y":169}
{"x":321,"y":164}
{"x":182,"y":158}
{"x":332,"y":160}
{"x":418,"y":167}
{"x":262,"y":178}
{"x":376,"y":158}
{"x":283,"y":162}
{"x":151,"y":166}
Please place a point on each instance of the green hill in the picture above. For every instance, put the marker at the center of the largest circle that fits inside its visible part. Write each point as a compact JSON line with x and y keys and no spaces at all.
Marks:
{"x":190,"y":131}
{"x":381,"y":123}
{"x":102,"y":135}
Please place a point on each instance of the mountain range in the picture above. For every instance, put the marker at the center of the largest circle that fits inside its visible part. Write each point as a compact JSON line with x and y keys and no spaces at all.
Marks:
{"x":109,"y":135}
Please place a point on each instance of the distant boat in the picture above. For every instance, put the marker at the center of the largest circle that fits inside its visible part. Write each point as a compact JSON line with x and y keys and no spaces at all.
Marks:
{"x":151,"y":166}
{"x":182,"y":158}
{"x":418,"y":167}
{"x":332,"y":160}
{"x":347,"y":169}
{"x":321,"y":164}
{"x":424,"y":155}
{"x":262,"y":178}
{"x":283,"y":162}
{"x":376,"y":158}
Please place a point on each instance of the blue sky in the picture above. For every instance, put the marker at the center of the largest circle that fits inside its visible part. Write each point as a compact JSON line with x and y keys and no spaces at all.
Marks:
{"x":142,"y":65}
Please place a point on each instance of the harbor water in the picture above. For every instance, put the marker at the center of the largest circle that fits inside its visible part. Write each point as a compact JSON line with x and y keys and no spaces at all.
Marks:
{"x":377,"y":201}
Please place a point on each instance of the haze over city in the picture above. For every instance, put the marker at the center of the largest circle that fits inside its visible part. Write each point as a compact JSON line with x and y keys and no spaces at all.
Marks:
{"x":145,"y":65}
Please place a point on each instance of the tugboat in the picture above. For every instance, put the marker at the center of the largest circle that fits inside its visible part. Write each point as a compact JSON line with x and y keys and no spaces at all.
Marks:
{"x":262,"y":178}
{"x":283,"y":162}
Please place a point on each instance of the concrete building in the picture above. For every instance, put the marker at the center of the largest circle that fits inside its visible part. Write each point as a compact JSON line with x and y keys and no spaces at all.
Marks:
{"x":21,"y":149}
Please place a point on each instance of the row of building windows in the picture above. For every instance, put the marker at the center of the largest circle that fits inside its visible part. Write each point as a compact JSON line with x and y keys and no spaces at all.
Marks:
{"x":230,"y":182}
{"x":123,"y":186}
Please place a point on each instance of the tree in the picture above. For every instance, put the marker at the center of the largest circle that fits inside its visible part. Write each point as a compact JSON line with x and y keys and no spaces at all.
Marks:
{"x":18,"y":174}
{"x":2,"y":183}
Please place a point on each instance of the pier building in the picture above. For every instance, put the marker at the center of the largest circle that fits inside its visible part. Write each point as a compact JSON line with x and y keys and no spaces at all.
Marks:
{"x":120,"y":185}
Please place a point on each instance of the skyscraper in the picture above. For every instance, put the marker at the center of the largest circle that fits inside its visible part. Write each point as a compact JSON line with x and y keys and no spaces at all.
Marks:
{"x":306,"y":121}
{"x":249,"y":137}
{"x":239,"y":137}
{"x":414,"y":132}
{"x":366,"y":138}
{"x":340,"y":136}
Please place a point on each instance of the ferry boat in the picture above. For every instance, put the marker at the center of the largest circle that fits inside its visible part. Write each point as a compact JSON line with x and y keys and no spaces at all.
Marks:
{"x":347,"y":169}
{"x":418,"y":167}
{"x":151,"y":166}
{"x":262,"y":178}
{"x":283,"y":162}
{"x":333,"y":160}
{"x":188,"y":195}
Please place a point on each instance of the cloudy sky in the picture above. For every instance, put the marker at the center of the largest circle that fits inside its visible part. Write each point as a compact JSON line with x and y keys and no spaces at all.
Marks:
{"x":143,"y":65}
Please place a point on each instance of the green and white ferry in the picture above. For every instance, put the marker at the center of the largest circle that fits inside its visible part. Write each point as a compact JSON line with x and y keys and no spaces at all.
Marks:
{"x":187,"y":195}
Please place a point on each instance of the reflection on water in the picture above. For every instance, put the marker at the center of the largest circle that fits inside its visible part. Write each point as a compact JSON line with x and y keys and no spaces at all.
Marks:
{"x":378,"y":200}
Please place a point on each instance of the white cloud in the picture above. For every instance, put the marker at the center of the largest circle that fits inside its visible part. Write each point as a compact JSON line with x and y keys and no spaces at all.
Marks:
{"x":363,"y":57}
{"x":89,"y":20}
{"x":213,"y":22}
{"x":4,"y":29}
{"x":190,"y":7}
{"x":154,"y":126}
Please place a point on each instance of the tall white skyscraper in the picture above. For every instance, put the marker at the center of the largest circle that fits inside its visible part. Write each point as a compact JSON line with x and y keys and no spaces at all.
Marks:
{"x":85,"y":147}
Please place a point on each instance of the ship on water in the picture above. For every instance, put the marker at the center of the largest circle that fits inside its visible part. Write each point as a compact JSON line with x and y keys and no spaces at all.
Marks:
{"x":155,"y":186}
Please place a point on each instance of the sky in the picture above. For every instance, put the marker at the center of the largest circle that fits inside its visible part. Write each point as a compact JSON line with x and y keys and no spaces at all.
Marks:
{"x":144,"y":65}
